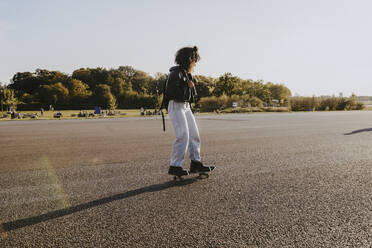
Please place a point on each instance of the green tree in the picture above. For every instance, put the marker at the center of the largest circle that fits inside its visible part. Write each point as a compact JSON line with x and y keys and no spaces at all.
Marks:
{"x":204,"y":86}
{"x":155,"y":88}
{"x":258,"y":89}
{"x":103,"y":97}
{"x":225,"y":84}
{"x":279,"y":92}
{"x":246,"y":86}
{"x":28,"y":98}
{"x":27,"y":82}
{"x":118,"y":81}
{"x":127,"y":74}
{"x":156,"y":85}
{"x":127,"y":71}
{"x":56,"y":94}
{"x":79,"y":94}
{"x":7,"y":98}
{"x":78,"y":89}
{"x":118,"y":86}
{"x":140,"y":82}
{"x":24,"y":82}
{"x":91,"y":76}
{"x":51,"y":77}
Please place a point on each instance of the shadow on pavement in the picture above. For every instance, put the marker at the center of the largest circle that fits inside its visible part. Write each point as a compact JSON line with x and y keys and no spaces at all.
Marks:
{"x":359,"y":131}
{"x":13,"y":225}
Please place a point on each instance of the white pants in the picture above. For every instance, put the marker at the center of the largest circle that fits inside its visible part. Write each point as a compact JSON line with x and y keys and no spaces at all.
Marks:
{"x":187,"y":133}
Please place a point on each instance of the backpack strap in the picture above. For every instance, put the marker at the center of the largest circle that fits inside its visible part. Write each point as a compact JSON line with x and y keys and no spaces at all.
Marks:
{"x":164,"y":101}
{"x":162,"y":116}
{"x":193,"y":91}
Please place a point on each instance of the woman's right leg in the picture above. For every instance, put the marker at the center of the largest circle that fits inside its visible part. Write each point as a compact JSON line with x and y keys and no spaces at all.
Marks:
{"x":194,"y":137}
{"x":176,"y":112}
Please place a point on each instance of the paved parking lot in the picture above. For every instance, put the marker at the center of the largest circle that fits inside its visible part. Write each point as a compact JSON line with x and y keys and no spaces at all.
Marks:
{"x":282,"y":180}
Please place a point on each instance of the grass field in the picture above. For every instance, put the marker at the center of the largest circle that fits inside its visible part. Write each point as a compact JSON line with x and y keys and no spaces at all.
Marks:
{"x":69,"y":114}
{"x":122,"y":113}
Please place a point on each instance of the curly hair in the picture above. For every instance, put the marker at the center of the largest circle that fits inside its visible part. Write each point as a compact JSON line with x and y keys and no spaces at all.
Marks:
{"x":186,"y":55}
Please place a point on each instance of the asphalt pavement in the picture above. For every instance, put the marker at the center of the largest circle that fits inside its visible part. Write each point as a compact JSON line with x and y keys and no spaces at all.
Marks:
{"x":282,"y":180}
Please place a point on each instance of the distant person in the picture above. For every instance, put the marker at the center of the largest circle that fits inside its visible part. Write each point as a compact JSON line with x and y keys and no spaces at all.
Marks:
{"x":142,"y":111}
{"x":180,"y":90}
{"x":42,"y":112}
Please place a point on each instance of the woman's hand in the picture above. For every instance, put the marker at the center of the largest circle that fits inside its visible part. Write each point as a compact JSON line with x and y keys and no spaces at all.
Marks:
{"x":191,"y":84}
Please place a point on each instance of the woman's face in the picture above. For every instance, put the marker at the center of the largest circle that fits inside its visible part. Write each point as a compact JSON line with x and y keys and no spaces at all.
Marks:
{"x":192,"y":65}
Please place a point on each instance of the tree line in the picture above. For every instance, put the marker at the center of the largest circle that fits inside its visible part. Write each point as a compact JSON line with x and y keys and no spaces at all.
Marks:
{"x":124,"y":88}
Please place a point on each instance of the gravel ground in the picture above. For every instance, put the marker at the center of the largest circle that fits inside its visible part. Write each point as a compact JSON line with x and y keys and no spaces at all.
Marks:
{"x":282,"y":180}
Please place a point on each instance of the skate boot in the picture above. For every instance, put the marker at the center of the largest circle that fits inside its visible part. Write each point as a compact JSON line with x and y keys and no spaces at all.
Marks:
{"x":177,"y":172}
{"x":198,"y":167}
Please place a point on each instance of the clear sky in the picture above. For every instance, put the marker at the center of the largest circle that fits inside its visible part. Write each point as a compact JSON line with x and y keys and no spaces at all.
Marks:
{"x":320,"y":47}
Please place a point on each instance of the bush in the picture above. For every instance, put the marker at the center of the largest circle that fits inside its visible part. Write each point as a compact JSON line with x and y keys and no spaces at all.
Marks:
{"x":330,"y":103}
{"x":234,"y":98}
{"x":224,"y":102}
{"x":324,"y":104}
{"x":334,"y":103}
{"x":244,"y":99}
{"x":256,"y":102}
{"x":342,"y":103}
{"x":303,"y":103}
{"x":209,"y":104}
{"x":359,"y":106}
{"x":212,"y":103}
{"x":353,"y":104}
{"x":245,"y":104}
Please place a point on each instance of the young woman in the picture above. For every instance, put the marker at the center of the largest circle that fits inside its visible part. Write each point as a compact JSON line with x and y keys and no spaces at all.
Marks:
{"x":180,"y":92}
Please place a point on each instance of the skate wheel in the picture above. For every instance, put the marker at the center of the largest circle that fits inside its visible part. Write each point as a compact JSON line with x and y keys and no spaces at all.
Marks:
{"x":177,"y":178}
{"x":203,"y":175}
